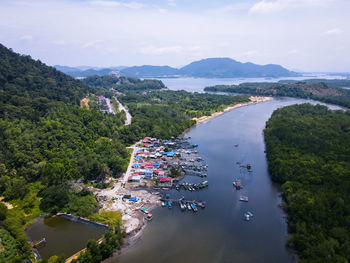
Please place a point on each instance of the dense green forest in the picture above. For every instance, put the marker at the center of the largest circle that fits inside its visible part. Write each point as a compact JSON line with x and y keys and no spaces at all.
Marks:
{"x":308,"y":151}
{"x":47,"y":142}
{"x":328,"y":91}
{"x":331,"y":83}
{"x":50,"y":147}
{"x":122,"y":84}
{"x":167,"y":113}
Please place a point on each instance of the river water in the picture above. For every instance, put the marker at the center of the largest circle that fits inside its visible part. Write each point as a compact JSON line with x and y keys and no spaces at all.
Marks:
{"x":219,"y":232}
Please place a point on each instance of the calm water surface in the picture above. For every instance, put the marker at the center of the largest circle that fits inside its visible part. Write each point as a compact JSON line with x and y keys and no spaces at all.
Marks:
{"x":218,"y":233}
{"x":62,"y":235}
{"x":198,"y":84}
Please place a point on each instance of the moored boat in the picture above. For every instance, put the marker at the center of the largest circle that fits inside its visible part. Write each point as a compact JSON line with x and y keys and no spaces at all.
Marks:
{"x":149,"y":217}
{"x":243,"y":198}
{"x":194,"y":207}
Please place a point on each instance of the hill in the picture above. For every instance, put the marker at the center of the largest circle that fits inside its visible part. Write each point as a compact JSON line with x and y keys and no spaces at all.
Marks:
{"x":85,"y":71}
{"x":47,"y":142}
{"x":230,"y":68}
{"x":148,"y":71}
{"x":327,"y":91}
{"x":206,"y":68}
{"x":29,"y":88}
{"x":123,"y":84}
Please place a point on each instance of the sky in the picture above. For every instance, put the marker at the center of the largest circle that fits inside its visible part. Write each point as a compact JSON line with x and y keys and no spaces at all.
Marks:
{"x":303,"y":35}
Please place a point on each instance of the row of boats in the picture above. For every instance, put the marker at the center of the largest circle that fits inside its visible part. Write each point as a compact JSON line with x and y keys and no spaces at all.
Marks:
{"x":237,"y":183}
{"x":185,"y":205}
{"x":191,"y":187}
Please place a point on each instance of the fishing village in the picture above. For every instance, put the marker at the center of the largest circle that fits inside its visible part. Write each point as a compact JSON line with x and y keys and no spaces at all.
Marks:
{"x":156,"y":170}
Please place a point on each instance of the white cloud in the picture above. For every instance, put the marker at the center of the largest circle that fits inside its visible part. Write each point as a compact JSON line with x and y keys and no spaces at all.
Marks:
{"x":273,"y":6}
{"x":60,"y":42}
{"x":105,"y":3}
{"x":152,"y":50}
{"x":171,"y":3}
{"x":92,"y":44}
{"x":26,"y":37}
{"x":162,"y":10}
{"x":332,"y":32}
{"x":293,"y":51}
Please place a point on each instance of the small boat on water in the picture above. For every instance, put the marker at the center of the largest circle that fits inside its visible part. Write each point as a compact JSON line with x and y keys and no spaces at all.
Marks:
{"x":194,"y":207}
{"x":248,"y":215}
{"x":149,"y":217}
{"x":237,"y":183}
{"x":243,"y":198}
{"x":169,"y":205}
{"x":236,"y":145}
{"x":182,"y":206}
{"x":189,"y":207}
{"x":163,"y":204}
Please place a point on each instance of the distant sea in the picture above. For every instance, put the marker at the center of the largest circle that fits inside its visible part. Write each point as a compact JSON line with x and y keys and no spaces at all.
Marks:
{"x":198,"y":84}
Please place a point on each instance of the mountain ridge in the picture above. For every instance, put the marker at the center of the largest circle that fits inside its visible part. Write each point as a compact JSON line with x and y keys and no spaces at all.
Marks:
{"x":223,"y":67}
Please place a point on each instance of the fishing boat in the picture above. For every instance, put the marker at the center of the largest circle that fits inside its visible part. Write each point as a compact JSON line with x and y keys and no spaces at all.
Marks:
{"x":237,"y":184}
{"x":169,"y":205}
{"x":246,"y":217}
{"x":149,"y":217}
{"x":236,"y":145}
{"x":189,"y":207}
{"x":194,"y":207}
{"x":243,"y":198}
{"x":163,"y":204}
{"x":182,"y":206}
{"x":143,"y":209}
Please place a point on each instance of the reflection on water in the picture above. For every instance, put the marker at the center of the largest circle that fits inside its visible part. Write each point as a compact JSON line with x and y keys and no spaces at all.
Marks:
{"x":62,"y":235}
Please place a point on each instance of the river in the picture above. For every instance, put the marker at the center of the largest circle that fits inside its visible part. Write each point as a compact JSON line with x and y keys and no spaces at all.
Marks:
{"x":218,"y":233}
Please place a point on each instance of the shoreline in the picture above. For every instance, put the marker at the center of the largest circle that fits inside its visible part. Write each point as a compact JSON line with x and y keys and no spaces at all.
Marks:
{"x":135,"y":235}
{"x":253,"y":100}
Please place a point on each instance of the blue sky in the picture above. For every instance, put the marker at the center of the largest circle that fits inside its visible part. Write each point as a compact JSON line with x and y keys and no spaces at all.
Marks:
{"x":309,"y":35}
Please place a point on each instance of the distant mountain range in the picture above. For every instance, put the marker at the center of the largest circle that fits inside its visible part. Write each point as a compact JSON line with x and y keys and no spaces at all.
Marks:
{"x":205,"y":68}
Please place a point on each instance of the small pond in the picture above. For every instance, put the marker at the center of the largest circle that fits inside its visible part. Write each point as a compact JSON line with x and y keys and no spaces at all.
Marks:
{"x":62,"y":236}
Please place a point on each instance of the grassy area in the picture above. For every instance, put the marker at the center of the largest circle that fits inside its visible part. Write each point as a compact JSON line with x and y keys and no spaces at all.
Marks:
{"x":110,"y":218}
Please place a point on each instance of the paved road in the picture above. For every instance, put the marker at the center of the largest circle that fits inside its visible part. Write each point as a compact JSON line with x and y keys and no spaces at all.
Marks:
{"x":110,"y":106}
{"x":128,"y":115}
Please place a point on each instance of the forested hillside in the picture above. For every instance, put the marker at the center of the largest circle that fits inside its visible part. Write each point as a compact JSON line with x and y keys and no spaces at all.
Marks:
{"x":46,"y":143}
{"x":123,"y":84}
{"x":308,"y":151}
{"x":328,"y":91}
{"x":168,"y":113}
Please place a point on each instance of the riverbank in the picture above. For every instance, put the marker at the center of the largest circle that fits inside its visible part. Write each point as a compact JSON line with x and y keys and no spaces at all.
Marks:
{"x":253,"y":100}
{"x":132,"y":215}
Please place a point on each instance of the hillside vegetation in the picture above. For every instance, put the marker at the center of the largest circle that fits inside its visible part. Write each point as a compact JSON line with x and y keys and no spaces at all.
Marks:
{"x":123,"y":84}
{"x":308,"y":152}
{"x":46,"y":143}
{"x":326,"y":91}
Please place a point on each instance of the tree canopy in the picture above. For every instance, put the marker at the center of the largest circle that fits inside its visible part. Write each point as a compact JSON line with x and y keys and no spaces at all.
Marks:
{"x":308,"y":152}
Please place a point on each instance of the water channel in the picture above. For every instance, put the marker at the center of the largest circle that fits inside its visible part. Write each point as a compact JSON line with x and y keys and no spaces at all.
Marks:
{"x":219,"y":232}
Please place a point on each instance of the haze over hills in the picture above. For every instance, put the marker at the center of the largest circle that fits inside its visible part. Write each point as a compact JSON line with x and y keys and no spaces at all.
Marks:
{"x":209,"y":68}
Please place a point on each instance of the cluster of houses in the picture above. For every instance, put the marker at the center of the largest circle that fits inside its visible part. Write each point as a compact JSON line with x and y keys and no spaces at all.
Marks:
{"x":153,"y":160}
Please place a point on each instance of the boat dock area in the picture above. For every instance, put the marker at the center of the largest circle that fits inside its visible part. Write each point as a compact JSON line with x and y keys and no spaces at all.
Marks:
{"x":191,"y":205}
